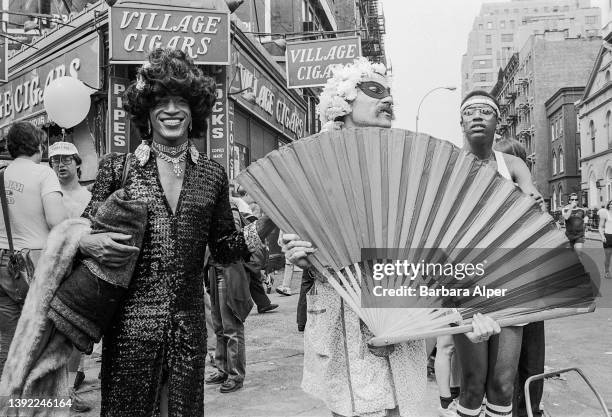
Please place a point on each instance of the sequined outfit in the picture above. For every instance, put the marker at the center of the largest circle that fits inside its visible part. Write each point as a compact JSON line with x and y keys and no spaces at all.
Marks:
{"x":158,"y":332}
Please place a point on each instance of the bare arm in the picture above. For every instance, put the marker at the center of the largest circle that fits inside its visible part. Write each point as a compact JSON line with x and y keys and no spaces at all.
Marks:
{"x":55,"y":212}
{"x":566,"y":212}
{"x":522,"y":177}
{"x":602,"y":226}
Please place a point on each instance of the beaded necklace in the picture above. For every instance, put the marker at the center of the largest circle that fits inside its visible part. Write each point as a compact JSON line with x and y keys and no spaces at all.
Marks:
{"x":172,"y":154}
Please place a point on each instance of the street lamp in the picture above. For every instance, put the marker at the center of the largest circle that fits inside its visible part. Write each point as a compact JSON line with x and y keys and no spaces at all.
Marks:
{"x":449,"y":88}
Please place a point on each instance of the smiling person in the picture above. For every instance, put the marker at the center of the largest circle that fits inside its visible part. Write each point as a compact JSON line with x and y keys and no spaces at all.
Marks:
{"x":153,"y":354}
{"x":340,"y":368}
{"x":490,"y":367}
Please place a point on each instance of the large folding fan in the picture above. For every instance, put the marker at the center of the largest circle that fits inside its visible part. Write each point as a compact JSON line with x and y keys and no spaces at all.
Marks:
{"x":425,"y":200}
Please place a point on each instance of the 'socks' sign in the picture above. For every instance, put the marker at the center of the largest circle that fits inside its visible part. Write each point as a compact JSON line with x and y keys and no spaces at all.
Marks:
{"x":309,"y":63}
{"x":202,"y":34}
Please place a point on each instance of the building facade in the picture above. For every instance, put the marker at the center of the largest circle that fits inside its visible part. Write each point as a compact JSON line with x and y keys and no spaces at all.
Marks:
{"x":245,"y":124}
{"x":595,"y":126}
{"x":502,"y":28}
{"x":545,"y":64}
{"x":565,"y":156}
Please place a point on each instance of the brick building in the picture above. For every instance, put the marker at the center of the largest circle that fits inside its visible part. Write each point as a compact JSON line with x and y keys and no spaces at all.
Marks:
{"x":545,"y":64}
{"x":502,"y":28}
{"x":565,"y":155}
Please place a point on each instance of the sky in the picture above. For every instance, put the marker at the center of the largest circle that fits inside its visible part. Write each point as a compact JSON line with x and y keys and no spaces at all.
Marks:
{"x":425,"y":40}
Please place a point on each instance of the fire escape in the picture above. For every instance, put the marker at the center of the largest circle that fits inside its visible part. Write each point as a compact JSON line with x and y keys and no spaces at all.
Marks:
{"x":372,"y":43}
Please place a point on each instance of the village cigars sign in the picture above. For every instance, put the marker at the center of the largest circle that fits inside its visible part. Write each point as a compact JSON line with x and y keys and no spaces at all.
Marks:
{"x":135,"y":31}
{"x":22,"y":96}
{"x":309,"y":63}
{"x":270,"y":102}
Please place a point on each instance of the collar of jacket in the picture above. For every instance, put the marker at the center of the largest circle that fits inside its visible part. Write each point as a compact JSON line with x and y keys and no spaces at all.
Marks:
{"x":143,"y":153}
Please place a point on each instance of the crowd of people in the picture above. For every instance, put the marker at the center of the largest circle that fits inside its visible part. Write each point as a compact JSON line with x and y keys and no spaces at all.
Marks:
{"x":201,"y":264}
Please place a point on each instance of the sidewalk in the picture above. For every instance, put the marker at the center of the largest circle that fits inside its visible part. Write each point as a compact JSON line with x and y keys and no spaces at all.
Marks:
{"x":275,"y":362}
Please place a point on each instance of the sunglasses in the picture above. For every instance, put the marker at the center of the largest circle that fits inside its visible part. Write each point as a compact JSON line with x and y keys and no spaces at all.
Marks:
{"x":573,"y":199}
{"x":64,"y":159}
{"x":374,"y":89}
{"x":485,"y":111}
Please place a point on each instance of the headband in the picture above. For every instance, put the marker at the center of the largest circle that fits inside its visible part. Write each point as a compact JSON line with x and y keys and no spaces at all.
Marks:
{"x":480,"y":100}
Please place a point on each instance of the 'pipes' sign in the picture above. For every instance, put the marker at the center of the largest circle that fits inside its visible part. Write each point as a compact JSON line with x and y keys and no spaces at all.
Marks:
{"x":201,"y":34}
{"x":309,"y":63}
{"x":118,"y":118}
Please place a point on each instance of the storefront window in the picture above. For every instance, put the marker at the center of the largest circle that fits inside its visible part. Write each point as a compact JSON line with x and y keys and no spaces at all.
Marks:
{"x":241,"y":158}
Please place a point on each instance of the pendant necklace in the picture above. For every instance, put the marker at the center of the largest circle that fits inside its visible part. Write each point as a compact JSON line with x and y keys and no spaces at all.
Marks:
{"x":172,"y":154}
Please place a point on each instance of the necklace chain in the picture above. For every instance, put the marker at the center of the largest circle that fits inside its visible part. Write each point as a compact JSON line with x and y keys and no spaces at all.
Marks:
{"x":171,"y":150}
{"x":172,"y":154}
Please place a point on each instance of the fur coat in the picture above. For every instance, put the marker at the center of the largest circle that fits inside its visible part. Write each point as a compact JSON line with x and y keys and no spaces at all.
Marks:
{"x":36,"y":365}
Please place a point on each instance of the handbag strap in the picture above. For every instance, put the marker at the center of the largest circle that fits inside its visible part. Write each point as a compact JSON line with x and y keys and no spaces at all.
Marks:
{"x":126,"y":168}
{"x":5,"y":213}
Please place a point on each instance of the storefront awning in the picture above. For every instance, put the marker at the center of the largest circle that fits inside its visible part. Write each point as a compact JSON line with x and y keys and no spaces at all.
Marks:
{"x":219,"y":5}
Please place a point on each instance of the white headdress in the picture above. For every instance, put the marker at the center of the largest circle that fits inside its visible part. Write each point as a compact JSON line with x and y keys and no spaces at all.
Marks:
{"x":341,"y":90}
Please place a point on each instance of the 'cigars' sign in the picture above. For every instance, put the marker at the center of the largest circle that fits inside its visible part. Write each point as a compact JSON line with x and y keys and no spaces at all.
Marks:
{"x":202,"y":34}
{"x":309,"y":62}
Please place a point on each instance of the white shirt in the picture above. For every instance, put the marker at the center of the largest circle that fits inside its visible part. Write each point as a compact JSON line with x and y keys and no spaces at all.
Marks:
{"x":76,"y":201}
{"x":603,"y":213}
{"x":26,"y":183}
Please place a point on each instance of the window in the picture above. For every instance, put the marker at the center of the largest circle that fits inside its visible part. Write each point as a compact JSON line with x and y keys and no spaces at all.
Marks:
{"x":592,"y":134}
{"x":490,"y":51}
{"x":488,"y":39}
{"x":566,"y":8}
{"x":561,"y":163}
{"x":482,"y":63}
{"x":507,"y":37}
{"x":489,"y":25}
{"x":480,"y":26}
{"x":483,"y":77}
{"x":546,"y":9}
{"x":554,"y":200}
{"x":512,"y":24}
{"x":608,"y":74}
{"x":554,"y":158}
{"x":506,"y":11}
{"x":553,"y":133}
{"x":502,"y":24}
{"x":591,"y":20}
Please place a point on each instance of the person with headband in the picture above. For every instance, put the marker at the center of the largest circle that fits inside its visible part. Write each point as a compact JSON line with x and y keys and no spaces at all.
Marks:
{"x":340,"y":368}
{"x":490,"y":367}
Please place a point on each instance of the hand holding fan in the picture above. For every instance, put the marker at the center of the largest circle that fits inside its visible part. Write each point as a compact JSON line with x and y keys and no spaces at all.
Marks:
{"x":423,"y":199}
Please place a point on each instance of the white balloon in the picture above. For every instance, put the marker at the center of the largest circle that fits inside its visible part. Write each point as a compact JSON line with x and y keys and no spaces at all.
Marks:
{"x":67,"y":101}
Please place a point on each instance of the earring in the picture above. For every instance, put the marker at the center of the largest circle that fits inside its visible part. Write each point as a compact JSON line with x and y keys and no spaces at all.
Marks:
{"x":190,"y":130}
{"x":149,"y":128}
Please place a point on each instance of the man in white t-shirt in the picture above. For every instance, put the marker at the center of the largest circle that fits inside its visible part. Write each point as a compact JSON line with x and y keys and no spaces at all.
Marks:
{"x":65,"y":161}
{"x":34,"y":198}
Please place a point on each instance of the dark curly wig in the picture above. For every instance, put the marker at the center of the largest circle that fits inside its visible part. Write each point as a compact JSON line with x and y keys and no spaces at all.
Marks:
{"x":170,"y":72}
